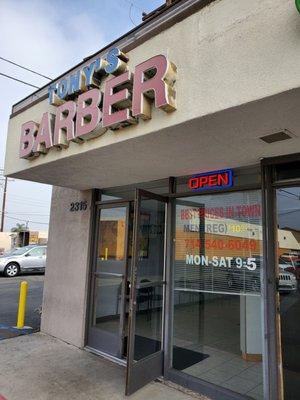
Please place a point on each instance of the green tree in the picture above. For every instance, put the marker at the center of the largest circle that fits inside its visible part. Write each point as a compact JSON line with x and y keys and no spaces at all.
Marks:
{"x":19,"y":228}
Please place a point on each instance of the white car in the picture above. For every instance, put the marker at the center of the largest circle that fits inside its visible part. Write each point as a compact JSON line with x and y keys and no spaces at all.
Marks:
{"x":23,"y":259}
{"x":287,"y":281}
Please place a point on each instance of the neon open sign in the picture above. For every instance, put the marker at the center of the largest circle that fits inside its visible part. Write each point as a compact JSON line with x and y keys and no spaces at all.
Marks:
{"x":211,"y":180}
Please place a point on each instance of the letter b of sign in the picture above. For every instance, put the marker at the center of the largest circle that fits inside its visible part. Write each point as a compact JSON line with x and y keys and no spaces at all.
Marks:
{"x":28,"y":133}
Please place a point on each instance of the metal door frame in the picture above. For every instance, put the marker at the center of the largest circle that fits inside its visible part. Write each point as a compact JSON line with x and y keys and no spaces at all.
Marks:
{"x":273,"y":361}
{"x":150,"y":367}
{"x":98,"y":206}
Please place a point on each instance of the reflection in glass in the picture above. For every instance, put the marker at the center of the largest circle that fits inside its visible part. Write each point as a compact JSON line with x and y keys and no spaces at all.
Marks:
{"x":112,"y":234}
{"x":148,"y":321}
{"x":109,"y":284}
{"x":107,"y":303}
{"x":288,"y":209}
{"x":217,"y":325}
{"x":150,"y":273}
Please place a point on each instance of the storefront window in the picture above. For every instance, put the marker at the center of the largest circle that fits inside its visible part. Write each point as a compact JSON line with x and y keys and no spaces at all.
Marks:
{"x":217,"y":323}
{"x":288,"y":250}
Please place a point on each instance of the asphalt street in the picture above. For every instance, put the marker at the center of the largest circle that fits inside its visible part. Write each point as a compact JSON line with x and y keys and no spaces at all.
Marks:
{"x":9,"y":297}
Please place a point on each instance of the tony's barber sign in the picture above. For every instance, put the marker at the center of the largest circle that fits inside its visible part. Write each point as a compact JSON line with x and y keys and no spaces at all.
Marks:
{"x":84,"y":111}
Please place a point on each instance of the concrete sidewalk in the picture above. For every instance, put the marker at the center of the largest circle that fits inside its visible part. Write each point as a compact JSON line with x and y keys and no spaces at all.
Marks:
{"x":39,"y":367}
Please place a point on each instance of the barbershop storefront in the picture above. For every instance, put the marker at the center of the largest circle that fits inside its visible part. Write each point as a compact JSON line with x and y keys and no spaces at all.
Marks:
{"x":181,"y":286}
{"x":174,"y":243}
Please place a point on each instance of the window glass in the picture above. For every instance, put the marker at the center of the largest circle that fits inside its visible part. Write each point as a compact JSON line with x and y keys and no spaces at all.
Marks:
{"x":150,"y":272}
{"x":106,"y":197}
{"x":288,"y":171}
{"x":37,"y":252}
{"x":112,"y":234}
{"x":288,"y":211}
{"x":242,"y":177}
{"x":217,"y":326}
{"x":19,"y":251}
{"x":110,"y":275}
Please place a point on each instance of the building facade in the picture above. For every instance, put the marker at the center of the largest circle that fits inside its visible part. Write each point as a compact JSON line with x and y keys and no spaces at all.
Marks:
{"x":5,"y":241}
{"x":174,"y":239}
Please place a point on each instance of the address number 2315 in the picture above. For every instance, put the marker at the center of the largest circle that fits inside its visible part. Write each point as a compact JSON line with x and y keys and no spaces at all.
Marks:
{"x":78,"y":206}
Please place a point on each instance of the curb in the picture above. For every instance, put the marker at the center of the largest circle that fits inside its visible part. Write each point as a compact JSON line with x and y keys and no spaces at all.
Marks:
{"x":7,"y":332}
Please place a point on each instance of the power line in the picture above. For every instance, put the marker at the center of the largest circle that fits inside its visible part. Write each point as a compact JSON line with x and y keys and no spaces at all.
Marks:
{"x":130,"y":16}
{"x":5,"y":214}
{"x":291,"y":193}
{"x":288,"y":196}
{"x":28,"y":203}
{"x":25,"y":213}
{"x":30,"y":199}
{"x":134,"y":5}
{"x":27,"y":69}
{"x":18,"y":80}
{"x":26,"y":220}
{"x":289,"y":211}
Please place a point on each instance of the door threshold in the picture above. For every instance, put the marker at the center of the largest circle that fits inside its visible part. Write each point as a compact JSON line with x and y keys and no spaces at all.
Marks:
{"x":115,"y":360}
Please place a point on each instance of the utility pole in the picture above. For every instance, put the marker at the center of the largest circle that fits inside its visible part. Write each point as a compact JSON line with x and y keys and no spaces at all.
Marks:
{"x":3,"y":204}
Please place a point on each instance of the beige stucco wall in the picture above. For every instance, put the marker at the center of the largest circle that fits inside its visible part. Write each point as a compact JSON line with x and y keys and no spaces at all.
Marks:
{"x":65,"y":288}
{"x":5,"y":240}
{"x":230,"y":53}
{"x":43,"y":234}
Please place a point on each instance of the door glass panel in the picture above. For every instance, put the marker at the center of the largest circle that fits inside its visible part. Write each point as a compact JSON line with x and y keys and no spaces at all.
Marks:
{"x":217,"y":323}
{"x":288,"y":209}
{"x":112,"y":234}
{"x":148,"y":331}
{"x":108,"y":289}
{"x":145,"y":356}
{"x":109,"y":299}
{"x":149,"y":278}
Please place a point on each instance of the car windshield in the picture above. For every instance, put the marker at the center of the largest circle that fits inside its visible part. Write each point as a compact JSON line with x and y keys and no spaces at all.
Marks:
{"x":18,"y":252}
{"x":283,"y":260}
{"x":291,"y":263}
{"x":297,"y":264}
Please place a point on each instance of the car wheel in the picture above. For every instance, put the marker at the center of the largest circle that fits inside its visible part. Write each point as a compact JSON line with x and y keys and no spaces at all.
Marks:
{"x":12,"y":270}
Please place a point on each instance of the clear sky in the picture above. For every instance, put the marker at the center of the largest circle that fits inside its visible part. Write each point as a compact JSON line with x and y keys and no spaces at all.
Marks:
{"x":51,"y":36}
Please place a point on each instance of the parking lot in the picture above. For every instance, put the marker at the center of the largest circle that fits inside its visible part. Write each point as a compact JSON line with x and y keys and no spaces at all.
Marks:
{"x":9,"y":297}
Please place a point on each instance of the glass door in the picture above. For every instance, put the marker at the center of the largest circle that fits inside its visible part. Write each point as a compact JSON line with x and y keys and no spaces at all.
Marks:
{"x":109,"y":281}
{"x":288,"y":253}
{"x":145,"y":345}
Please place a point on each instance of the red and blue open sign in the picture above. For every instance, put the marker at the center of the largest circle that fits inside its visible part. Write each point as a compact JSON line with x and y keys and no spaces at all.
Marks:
{"x":211,"y":180}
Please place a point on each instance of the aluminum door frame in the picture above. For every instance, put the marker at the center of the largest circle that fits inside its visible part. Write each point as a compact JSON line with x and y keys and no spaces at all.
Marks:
{"x":94,"y":274}
{"x":139,"y":373}
{"x":274,"y":385}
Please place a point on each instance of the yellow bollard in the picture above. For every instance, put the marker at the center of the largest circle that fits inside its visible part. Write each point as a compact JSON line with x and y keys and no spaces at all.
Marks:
{"x":22,"y":304}
{"x":106,"y":253}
